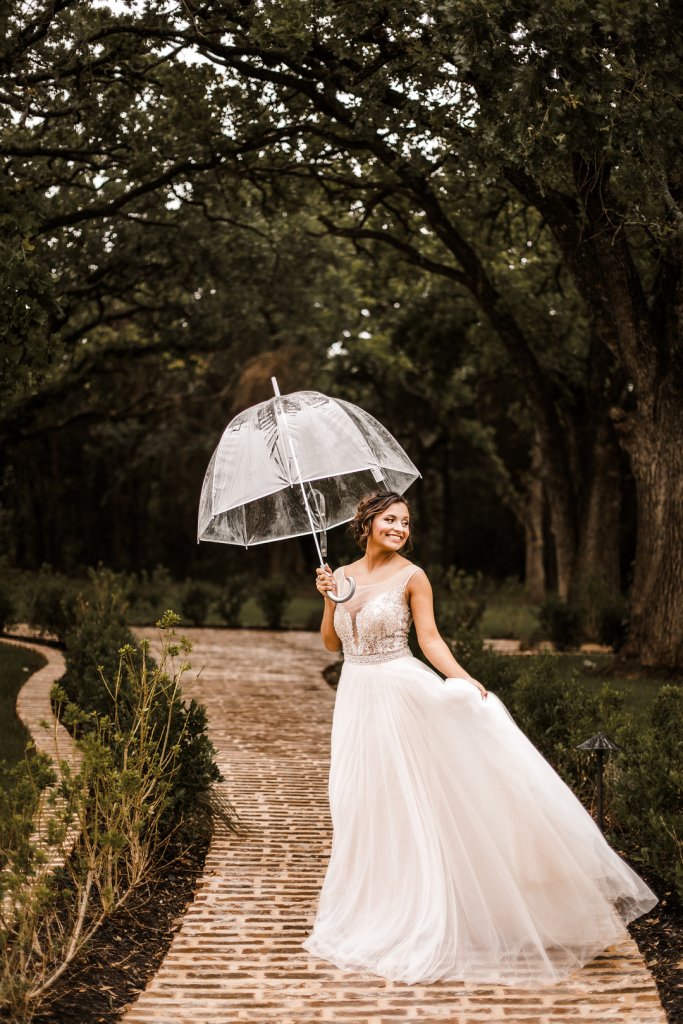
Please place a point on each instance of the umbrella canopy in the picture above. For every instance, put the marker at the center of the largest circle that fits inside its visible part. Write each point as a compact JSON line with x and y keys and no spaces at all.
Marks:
{"x":295,"y":450}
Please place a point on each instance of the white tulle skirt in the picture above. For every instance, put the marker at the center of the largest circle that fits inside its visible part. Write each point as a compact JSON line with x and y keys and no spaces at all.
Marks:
{"x":458,"y":852}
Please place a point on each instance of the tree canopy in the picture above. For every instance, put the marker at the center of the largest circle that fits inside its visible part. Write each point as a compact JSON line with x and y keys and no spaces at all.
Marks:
{"x":526,"y":159}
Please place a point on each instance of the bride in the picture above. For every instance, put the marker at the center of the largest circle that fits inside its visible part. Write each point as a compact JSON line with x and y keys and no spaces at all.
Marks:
{"x":458,"y":853}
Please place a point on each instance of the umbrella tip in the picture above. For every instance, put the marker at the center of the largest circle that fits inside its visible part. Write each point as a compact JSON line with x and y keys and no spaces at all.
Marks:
{"x":276,"y":389}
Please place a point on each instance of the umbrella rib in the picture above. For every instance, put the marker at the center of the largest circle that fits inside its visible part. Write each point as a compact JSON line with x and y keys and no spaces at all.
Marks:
{"x":281,"y":414}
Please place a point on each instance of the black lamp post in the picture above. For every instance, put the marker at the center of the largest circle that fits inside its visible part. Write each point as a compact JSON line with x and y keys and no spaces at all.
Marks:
{"x":599,"y":744}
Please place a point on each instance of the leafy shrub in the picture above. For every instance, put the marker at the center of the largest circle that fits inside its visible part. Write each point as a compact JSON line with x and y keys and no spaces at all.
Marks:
{"x":459,"y":599}
{"x":648,"y":797}
{"x":92,"y":645}
{"x":613,"y":624}
{"x":561,"y":622}
{"x":99,"y":683}
{"x":496,"y":671}
{"x":272,"y":597}
{"x":156,"y":586}
{"x":313,"y":620}
{"x":52,"y":605}
{"x":557,"y":715}
{"x":106,"y":822}
{"x":147,"y":592}
{"x":7,"y":609}
{"x":232,"y":598}
{"x":196,"y":602}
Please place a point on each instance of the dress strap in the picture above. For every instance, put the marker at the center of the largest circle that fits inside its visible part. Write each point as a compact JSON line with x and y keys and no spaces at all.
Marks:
{"x":403,"y":575}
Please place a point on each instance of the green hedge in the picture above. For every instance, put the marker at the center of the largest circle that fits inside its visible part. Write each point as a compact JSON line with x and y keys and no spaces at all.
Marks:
{"x":647,"y":800}
{"x":97,"y":681}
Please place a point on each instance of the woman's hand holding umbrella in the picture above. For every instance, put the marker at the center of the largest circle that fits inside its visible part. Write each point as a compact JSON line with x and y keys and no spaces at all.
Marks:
{"x":325,"y":582}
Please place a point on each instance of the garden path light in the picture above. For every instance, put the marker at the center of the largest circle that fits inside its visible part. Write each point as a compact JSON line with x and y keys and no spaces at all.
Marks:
{"x":598,"y":744}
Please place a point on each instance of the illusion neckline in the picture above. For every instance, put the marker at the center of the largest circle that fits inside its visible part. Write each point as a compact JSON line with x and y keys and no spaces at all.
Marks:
{"x":365,"y":586}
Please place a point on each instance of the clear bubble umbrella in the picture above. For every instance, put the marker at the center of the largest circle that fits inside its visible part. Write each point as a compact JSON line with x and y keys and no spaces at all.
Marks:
{"x":297,"y":464}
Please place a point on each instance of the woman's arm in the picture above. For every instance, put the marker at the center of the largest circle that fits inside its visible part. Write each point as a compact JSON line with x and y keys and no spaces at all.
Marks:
{"x":325,"y":582}
{"x":419,"y":593}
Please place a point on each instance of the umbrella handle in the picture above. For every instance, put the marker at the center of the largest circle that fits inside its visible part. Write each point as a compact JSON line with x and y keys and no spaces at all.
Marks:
{"x":340,"y":598}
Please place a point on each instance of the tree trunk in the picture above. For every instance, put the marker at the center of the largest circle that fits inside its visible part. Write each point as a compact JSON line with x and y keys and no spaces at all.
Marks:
{"x":564,"y":541}
{"x":534,"y":562}
{"x":597,"y":558}
{"x":656,"y":450}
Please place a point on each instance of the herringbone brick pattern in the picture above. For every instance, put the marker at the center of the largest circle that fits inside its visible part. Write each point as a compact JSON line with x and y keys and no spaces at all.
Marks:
{"x":237,"y":955}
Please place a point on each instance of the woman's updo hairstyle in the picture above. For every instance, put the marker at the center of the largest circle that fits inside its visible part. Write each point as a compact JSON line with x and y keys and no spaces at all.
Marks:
{"x":369,"y":507}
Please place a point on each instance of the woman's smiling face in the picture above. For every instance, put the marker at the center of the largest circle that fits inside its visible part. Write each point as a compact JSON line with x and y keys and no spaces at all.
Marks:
{"x":391,"y":528}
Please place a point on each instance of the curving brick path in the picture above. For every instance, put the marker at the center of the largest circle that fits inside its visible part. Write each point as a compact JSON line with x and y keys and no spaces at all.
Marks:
{"x":34,"y":710}
{"x":237,"y":955}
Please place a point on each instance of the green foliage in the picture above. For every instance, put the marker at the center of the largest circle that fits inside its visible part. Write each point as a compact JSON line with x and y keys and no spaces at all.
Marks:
{"x":594,"y":613}
{"x":197,"y":601}
{"x":613,"y":623}
{"x":93,"y":645}
{"x":7,"y":608}
{"x":273,"y":596}
{"x":105,"y":818}
{"x":147,"y":592}
{"x":232,"y":598}
{"x":16,"y":665}
{"x":575,"y":187}
{"x":561,"y":622}
{"x":104,"y":669}
{"x":496,"y":671}
{"x":458,"y":599}
{"x":648,"y":797}
{"x":557,"y":714}
{"x":22,"y":786}
{"x":510,"y":618}
{"x":52,"y":607}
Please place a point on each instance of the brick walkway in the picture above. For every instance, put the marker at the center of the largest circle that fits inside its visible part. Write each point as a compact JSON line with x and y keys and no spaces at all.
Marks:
{"x":34,"y":710}
{"x":238,"y":955}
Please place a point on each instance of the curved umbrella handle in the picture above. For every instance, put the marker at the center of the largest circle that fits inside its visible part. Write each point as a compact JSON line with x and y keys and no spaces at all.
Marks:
{"x":340,"y":598}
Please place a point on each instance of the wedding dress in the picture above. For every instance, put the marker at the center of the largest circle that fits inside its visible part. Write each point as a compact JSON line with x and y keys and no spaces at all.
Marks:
{"x":458,"y":852}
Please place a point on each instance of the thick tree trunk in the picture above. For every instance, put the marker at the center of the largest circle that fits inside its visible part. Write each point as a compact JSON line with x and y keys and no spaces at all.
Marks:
{"x":656,"y":621}
{"x":534,"y":561}
{"x":564,"y":541}
{"x":597,"y":560}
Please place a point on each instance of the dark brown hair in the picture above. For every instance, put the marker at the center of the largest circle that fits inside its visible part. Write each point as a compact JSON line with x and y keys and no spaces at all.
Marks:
{"x":369,"y":507}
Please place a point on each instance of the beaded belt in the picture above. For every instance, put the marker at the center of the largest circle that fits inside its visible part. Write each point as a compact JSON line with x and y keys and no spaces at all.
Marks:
{"x":377,"y":659}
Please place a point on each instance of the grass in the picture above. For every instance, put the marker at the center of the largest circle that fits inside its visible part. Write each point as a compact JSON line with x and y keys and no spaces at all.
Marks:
{"x":16,"y":665}
{"x":507,"y":619}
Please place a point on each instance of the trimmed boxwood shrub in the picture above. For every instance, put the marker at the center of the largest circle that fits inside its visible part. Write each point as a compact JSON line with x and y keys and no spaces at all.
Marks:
{"x":647,"y":803}
{"x":52,"y":604}
{"x":7,"y":609}
{"x":272,"y":597}
{"x":232,"y":598}
{"x":196,"y":602}
{"x":561,"y":622}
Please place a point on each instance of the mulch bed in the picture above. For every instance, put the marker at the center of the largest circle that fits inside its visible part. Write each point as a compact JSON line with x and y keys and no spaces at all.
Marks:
{"x":129,"y":948}
{"x":659,"y":936}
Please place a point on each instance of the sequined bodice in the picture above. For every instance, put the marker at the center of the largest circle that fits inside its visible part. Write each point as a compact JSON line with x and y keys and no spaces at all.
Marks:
{"x":374,"y":625}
